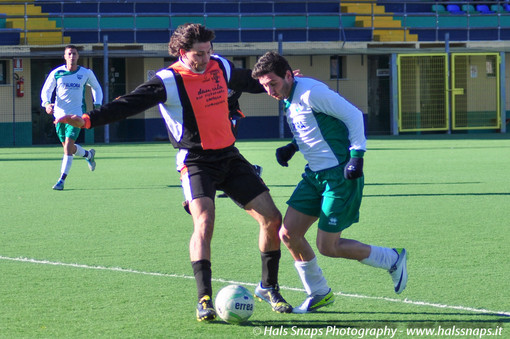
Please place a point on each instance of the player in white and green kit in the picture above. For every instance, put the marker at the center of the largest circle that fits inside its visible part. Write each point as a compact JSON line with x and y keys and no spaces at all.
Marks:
{"x":70,"y":81}
{"x":329,"y":132}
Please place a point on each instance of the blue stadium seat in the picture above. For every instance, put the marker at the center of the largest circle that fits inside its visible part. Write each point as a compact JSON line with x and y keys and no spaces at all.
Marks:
{"x":454,"y":9}
{"x":484,"y":9}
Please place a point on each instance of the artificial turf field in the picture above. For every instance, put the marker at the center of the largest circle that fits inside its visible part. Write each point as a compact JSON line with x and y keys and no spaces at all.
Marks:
{"x":108,"y":256}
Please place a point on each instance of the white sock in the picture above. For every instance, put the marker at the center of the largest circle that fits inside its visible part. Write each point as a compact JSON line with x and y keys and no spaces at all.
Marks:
{"x":381,"y":257}
{"x":80,"y":151}
{"x":311,"y":276}
{"x":67,"y":161}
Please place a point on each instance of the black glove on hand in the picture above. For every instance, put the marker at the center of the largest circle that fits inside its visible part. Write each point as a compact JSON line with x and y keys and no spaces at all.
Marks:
{"x":285,"y":153}
{"x":353,"y":169}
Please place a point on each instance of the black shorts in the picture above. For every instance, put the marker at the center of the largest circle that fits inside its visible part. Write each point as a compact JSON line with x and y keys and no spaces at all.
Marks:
{"x":202,"y":174}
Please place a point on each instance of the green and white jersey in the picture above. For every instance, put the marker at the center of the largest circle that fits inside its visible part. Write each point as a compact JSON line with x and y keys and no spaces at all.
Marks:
{"x":326,"y":127}
{"x":70,"y":90}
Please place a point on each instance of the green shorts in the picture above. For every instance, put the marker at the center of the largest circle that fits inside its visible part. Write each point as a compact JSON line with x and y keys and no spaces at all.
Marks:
{"x":67,"y":131}
{"x":330,"y":197}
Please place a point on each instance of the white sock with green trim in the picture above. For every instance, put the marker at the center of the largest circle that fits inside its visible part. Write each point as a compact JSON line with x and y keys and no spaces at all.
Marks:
{"x":381,"y":257}
{"x":311,"y":276}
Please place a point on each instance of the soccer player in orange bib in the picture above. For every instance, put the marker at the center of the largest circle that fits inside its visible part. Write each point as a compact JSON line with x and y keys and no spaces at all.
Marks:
{"x":192,"y":95}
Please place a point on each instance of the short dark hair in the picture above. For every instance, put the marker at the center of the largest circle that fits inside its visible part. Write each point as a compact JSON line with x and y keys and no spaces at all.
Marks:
{"x":186,"y":35}
{"x":271,"y":62}
{"x":71,"y":47}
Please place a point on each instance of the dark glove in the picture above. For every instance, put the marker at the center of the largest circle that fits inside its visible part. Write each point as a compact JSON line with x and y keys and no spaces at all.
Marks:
{"x":353,"y":169}
{"x":285,"y":153}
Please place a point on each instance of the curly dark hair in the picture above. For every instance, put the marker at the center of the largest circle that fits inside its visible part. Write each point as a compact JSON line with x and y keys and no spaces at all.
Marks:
{"x":271,"y":62}
{"x":186,"y":35}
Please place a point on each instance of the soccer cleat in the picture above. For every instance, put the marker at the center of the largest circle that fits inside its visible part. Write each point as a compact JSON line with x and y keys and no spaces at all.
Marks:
{"x":312,"y":303}
{"x":59,"y":186}
{"x":205,"y":309}
{"x":272,"y":296}
{"x":398,"y":271}
{"x":91,"y":162}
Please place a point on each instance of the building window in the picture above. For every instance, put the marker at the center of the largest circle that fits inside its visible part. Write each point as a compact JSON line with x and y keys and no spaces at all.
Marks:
{"x":3,"y":72}
{"x":337,"y":67}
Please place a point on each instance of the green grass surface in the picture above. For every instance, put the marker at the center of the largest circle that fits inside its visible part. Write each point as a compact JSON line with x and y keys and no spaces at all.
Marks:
{"x":108,"y":256}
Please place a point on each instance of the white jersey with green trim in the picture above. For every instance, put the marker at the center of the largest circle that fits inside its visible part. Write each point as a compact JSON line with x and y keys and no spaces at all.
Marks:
{"x":325,"y":125}
{"x":70,"y":90}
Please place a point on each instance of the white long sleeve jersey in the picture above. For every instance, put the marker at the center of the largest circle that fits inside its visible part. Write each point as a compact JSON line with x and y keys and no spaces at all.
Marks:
{"x":325,"y":125}
{"x":70,"y":90}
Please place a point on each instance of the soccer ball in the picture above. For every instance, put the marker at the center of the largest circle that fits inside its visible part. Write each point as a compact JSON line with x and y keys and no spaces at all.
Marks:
{"x":234,"y":304}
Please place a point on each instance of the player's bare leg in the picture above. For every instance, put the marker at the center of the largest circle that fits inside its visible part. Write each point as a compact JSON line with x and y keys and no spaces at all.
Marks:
{"x":263,"y":209}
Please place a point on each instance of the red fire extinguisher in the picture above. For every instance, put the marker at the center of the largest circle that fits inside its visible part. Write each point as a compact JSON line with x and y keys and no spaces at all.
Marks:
{"x":20,"y":87}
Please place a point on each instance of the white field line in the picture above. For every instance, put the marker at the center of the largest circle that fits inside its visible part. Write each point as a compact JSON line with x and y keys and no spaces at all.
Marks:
{"x":182,"y":276}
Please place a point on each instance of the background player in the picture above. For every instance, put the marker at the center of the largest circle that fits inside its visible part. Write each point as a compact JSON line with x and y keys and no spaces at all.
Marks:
{"x":69,"y":81}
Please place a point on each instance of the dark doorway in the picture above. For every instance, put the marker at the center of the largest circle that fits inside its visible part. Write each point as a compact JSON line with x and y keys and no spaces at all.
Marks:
{"x":378,"y":116}
{"x":116,"y":88}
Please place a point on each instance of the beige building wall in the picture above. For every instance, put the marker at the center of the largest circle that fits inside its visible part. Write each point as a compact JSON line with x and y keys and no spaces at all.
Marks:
{"x":23,"y":104}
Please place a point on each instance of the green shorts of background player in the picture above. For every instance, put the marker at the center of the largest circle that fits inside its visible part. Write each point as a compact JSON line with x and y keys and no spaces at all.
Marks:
{"x":67,"y":135}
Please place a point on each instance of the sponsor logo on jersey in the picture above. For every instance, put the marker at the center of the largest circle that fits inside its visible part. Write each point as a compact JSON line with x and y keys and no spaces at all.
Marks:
{"x":70,"y":85}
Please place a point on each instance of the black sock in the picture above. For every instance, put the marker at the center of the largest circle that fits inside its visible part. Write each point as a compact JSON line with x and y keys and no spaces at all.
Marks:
{"x":203,"y":274}
{"x":86,"y":154}
{"x":63,"y":177}
{"x":270,"y":265}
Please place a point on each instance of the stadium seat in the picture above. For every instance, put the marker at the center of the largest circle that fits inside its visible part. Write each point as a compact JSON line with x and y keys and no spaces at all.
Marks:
{"x":454,"y":9}
{"x":469,"y":9}
{"x":484,"y":9}
{"x":439,"y":9}
{"x":497,"y":8}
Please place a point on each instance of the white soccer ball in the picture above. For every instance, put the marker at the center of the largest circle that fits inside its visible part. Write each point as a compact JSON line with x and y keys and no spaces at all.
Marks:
{"x":234,"y":304}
